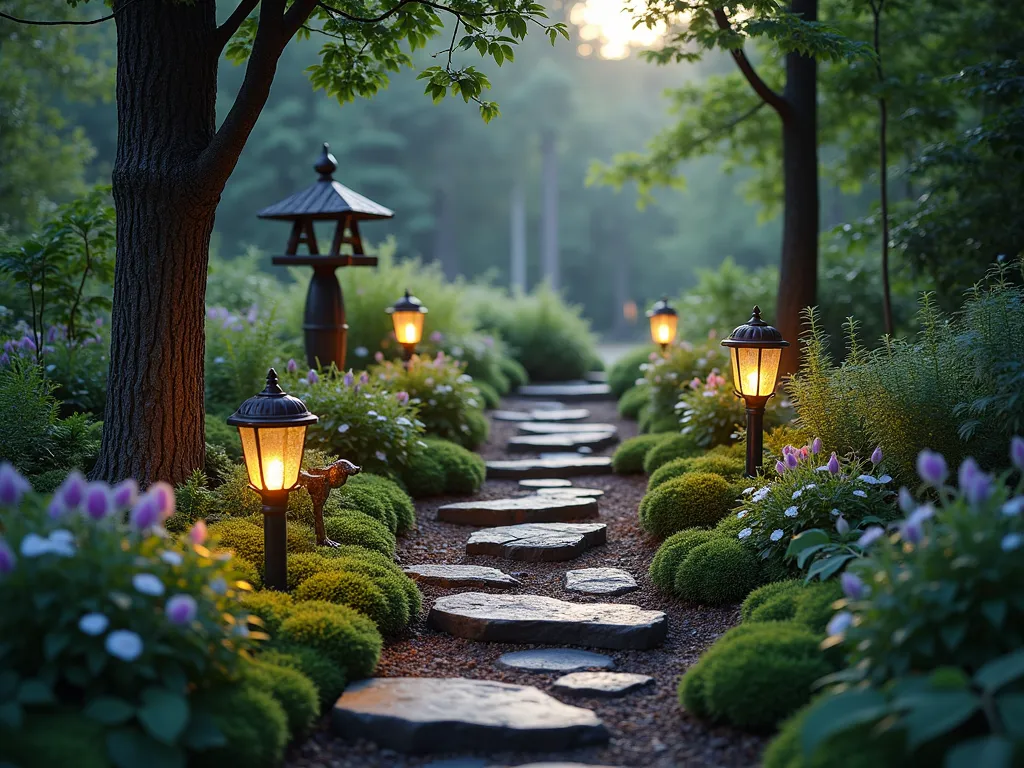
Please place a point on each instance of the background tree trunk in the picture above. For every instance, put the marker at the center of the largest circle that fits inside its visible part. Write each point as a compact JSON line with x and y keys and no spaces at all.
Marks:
{"x":166,"y":104}
{"x":798,"y":272}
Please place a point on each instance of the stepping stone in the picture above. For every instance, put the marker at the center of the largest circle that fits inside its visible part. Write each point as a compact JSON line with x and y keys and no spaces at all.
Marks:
{"x":528,"y":443}
{"x":569,"y":390}
{"x":607,"y":684}
{"x":557,"y":428}
{"x":596,"y":377}
{"x":600,"y":581}
{"x":562,"y":466}
{"x":561,"y":765}
{"x":571,"y":493}
{"x":561,"y":414}
{"x":545,"y":482}
{"x":461,"y":576}
{"x":545,"y":620}
{"x":556,"y":660}
{"x":417,"y":714}
{"x":511,"y":416}
{"x":525,"y":509}
{"x":558,"y":455}
{"x":538,"y":542}
{"x":547,"y":405}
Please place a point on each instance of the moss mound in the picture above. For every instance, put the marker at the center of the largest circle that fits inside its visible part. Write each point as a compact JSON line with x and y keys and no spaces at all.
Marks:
{"x":767,"y":594}
{"x":253,"y":722}
{"x":632,"y":401}
{"x":246,"y":571}
{"x":814,"y":605}
{"x":444,"y":467}
{"x":328,"y":679}
{"x":715,"y":573}
{"x":342,"y":634}
{"x":244,"y":537}
{"x":395,"y":586}
{"x":363,"y":498}
{"x":270,"y":606}
{"x":490,"y":395}
{"x":695,"y":500}
{"x":355,"y":590}
{"x":729,"y":467}
{"x":424,"y":475}
{"x":672,"y":552}
{"x":809,"y":605}
{"x":55,"y":739}
{"x":623,"y":374}
{"x":514,"y":371}
{"x":754,"y":676}
{"x":400,"y":502}
{"x":674,"y":447}
{"x":349,"y":526}
{"x":291,"y":689}
{"x":367,"y":561}
{"x":629,"y":457}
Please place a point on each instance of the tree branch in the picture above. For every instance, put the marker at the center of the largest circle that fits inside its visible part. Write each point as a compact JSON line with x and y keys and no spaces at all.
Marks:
{"x":65,"y":22}
{"x":402,"y":3}
{"x":773,"y":99}
{"x":234,"y":21}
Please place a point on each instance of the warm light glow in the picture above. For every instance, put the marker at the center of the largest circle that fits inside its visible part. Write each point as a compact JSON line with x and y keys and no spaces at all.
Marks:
{"x":663,"y":328}
{"x":408,"y":327}
{"x":751,"y":384}
{"x":608,"y":24}
{"x":273,"y":456}
{"x":274,"y":474}
{"x":410,"y":334}
{"x":754,"y":370}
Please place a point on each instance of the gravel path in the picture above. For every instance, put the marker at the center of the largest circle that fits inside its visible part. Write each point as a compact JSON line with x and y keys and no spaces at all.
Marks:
{"x":648,"y":728}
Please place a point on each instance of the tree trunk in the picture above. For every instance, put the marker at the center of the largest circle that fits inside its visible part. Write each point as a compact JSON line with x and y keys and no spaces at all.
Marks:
{"x":166,"y":104}
{"x":798,"y":273}
{"x":550,"y":267}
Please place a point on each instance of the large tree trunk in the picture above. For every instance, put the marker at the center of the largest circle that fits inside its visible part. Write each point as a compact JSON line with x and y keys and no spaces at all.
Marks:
{"x":166,"y":104}
{"x":798,"y":274}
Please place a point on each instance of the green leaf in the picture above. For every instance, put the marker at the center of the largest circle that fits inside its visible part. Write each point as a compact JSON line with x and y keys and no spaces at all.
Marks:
{"x":10,"y":714}
{"x":1011,"y":711}
{"x":203,"y":733}
{"x":815,"y":537}
{"x":986,"y":751}
{"x":1001,"y":671}
{"x":838,"y":713}
{"x":54,"y":644}
{"x":952,"y":635}
{"x":109,"y":710}
{"x":34,"y":693}
{"x":164,"y":714}
{"x":131,"y":748}
{"x":938,"y":713}
{"x":995,"y":612}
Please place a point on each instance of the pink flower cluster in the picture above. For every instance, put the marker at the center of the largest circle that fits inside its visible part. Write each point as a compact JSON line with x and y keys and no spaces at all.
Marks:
{"x":712,"y":383}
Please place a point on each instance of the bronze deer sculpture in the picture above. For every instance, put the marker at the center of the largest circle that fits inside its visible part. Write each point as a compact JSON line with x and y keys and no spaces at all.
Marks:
{"x":319,"y":483}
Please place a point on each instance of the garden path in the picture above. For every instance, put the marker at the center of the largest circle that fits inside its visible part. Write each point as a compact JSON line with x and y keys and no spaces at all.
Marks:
{"x":527,"y":711}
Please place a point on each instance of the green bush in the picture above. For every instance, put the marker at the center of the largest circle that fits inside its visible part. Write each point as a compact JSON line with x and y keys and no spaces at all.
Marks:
{"x":514,"y":372}
{"x":766,"y":595}
{"x":325,"y":676}
{"x":218,"y":465}
{"x":809,"y":605}
{"x":402,"y":594}
{"x":270,"y":606}
{"x":672,"y":552}
{"x":220,"y":435}
{"x":193,"y":501}
{"x":347,"y":526}
{"x":491,"y":397}
{"x":444,"y":467}
{"x":694,"y":500}
{"x":675,"y":447}
{"x":424,"y":475}
{"x":304,"y":565}
{"x":401,"y":504}
{"x":373,"y":563}
{"x":729,"y":467}
{"x":244,"y":537}
{"x":342,"y":634}
{"x":253,"y":723}
{"x":814,"y":605}
{"x":632,"y":401}
{"x":235,"y":498}
{"x":356,"y":591}
{"x":718,"y":572}
{"x":291,"y":689}
{"x":629,"y":456}
{"x":365,"y":498}
{"x":711,"y":414}
{"x":754,"y":676}
{"x":623,"y":375}
{"x":669,"y":377}
{"x":45,"y":740}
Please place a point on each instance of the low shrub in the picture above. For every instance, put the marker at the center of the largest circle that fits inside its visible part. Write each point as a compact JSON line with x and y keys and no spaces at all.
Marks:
{"x":669,"y":375}
{"x":356,"y":591}
{"x":809,"y":605}
{"x":347,"y":526}
{"x":632,"y":401}
{"x":441,"y":467}
{"x":253,"y":724}
{"x":342,"y":634}
{"x":377,"y":565}
{"x":767,"y":594}
{"x":220,"y":435}
{"x":271,"y":607}
{"x":623,"y":375}
{"x":244,"y":537}
{"x":675,"y":447}
{"x":672,"y":552}
{"x":291,"y":689}
{"x":425,"y":475}
{"x":401,"y":504}
{"x":860,"y":747}
{"x":402,"y":594}
{"x":365,"y":498}
{"x":755,"y":675}
{"x":814,"y":605}
{"x":694,"y":500}
{"x":514,"y":372}
{"x":715,"y":573}
{"x":629,"y":456}
{"x":729,"y":467}
{"x":48,"y":739}
{"x":711,"y":414}
{"x":490,"y":396}
{"x":325,"y":676}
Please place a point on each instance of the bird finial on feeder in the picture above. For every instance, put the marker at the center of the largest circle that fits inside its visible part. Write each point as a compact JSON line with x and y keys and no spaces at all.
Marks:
{"x":326,"y":164}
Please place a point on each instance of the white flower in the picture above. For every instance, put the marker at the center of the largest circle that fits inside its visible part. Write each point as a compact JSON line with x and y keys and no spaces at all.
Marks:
{"x":761,"y":494}
{"x":382,"y":418}
{"x":776,"y":534}
{"x":124,"y":645}
{"x":822,"y":468}
{"x":148,"y":584}
{"x":885,"y":479}
{"x":219,"y":586}
{"x":34,"y":545}
{"x":744,"y":533}
{"x":809,"y":486}
{"x":841,"y":622}
{"x":747,"y":491}
{"x":1011,"y":541}
{"x":93,"y":624}
{"x":870,"y":536}
{"x":867,"y":479}
{"x":371,"y":413}
{"x":792,"y":512}
{"x":860,"y":493}
{"x":1013,"y":507}
{"x":741,"y":514}
{"x":171,"y":558}
{"x":343,"y":429}
{"x":61,"y":537}
{"x":798,"y":493}
{"x":403,"y":422}
{"x":381,"y":456}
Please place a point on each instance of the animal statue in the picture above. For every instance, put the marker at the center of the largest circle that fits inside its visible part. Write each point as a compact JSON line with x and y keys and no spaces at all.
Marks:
{"x":319,"y":483}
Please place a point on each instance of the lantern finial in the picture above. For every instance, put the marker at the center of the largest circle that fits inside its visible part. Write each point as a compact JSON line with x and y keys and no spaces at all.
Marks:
{"x":273,"y":388}
{"x":326,"y":164}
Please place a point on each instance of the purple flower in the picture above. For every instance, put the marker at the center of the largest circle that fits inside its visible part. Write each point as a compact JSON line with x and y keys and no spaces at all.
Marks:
{"x":437,"y":337}
{"x":348,"y":378}
{"x":402,"y":397}
{"x":12,"y":485}
{"x":911,"y":531}
{"x":313,"y":377}
{"x":253,"y":315}
{"x":842,"y":526}
{"x":853,"y":586}
{"x":7,"y":558}
{"x":97,"y":501}
{"x":833,"y":464}
{"x":144,"y":514}
{"x":72,"y":490}
{"x":364,"y":378}
{"x":381,"y":456}
{"x":51,"y":335}
{"x":816,"y":446}
{"x":791,"y":460}
{"x":163,"y":496}
{"x":870,"y":536}
{"x":56,"y":509}
{"x":5,"y":359}
{"x":125,"y":493}
{"x":378,"y":356}
{"x":975,"y":485}
{"x":181,"y":609}
{"x":98,"y":322}
{"x":876,"y":455}
{"x":841,"y":622}
{"x":291,"y":366}
{"x":906,"y":501}
{"x":1017,"y":452}
{"x":931,"y":466}
{"x":780,"y":467}
{"x":197,"y":533}
{"x":28,"y":343}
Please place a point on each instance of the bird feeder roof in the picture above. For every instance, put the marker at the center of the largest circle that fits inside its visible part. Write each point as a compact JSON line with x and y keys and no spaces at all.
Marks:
{"x":326,"y":199}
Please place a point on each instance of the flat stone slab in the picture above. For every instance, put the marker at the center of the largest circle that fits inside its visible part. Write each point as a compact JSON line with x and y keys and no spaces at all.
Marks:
{"x":562,"y":466}
{"x":560,"y":414}
{"x":569,"y":390}
{"x":546,"y":620}
{"x":545,"y":482}
{"x":558,"y":428}
{"x":525,"y":509}
{"x":600,"y":581}
{"x":564,"y":765}
{"x":511,"y":416}
{"x":538,"y":542}
{"x":556,"y":660}
{"x":569,"y":442}
{"x":461,"y":576}
{"x":571,"y":493}
{"x":607,"y":684}
{"x":423,"y":714}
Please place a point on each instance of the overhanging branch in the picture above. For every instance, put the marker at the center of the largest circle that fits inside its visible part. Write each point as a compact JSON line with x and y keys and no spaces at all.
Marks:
{"x":770,"y":97}
{"x":65,"y":22}
{"x":234,"y":21}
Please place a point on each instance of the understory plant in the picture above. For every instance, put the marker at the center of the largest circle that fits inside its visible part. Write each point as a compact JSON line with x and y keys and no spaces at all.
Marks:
{"x":669,"y":375}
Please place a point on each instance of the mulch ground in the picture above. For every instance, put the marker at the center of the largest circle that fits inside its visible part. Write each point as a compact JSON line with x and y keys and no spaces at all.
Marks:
{"x":648,"y":727}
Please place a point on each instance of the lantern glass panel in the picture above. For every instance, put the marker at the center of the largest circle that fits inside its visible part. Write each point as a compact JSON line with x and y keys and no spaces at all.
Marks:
{"x":251,"y":455}
{"x":754,"y":370}
{"x":408,"y":327}
{"x":273,"y":456}
{"x":663,"y":328}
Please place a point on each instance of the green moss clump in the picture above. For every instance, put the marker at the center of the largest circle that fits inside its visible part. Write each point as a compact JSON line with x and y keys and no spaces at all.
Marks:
{"x":342,"y":634}
{"x":220,"y":435}
{"x":291,"y":689}
{"x":479,"y":429}
{"x":694,"y":500}
{"x":55,"y":739}
{"x":814,"y":605}
{"x":674,"y":447}
{"x":303,"y":566}
{"x":325,"y":676}
{"x":514,"y":371}
{"x":629,"y":457}
{"x":444,"y":467}
{"x":355,"y":590}
{"x":401,"y":592}
{"x":717,"y":572}
{"x":270,"y":606}
{"x":767,"y":594}
{"x":626,"y":370}
{"x":424,"y":475}
{"x":727,"y":466}
{"x":365,"y":498}
{"x":246,"y":571}
{"x":809,"y":605}
{"x":755,"y":675}
{"x":348,"y":526}
{"x":405,"y":510}
{"x":672,"y":552}
{"x":660,"y":425}
{"x":253,"y":723}
{"x":241,"y":537}
{"x":488,"y":393}
{"x":367,"y":561}
{"x":633,"y":401}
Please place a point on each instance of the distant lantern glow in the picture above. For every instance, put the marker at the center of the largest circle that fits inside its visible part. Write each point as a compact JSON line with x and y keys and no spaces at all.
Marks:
{"x":407,"y":317}
{"x":664,"y":321}
{"x":607,"y":26}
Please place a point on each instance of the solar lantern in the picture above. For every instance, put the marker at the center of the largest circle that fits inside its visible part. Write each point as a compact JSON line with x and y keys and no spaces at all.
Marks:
{"x":664,"y":320}
{"x":407,"y":316}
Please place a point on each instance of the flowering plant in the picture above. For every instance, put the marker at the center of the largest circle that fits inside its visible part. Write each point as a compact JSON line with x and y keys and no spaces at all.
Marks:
{"x":360,"y":419}
{"x":933,"y":622}
{"x":116,"y":621}
{"x":449,"y":404}
{"x":814,"y":503}
{"x":671,"y":374}
{"x":710,"y":411}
